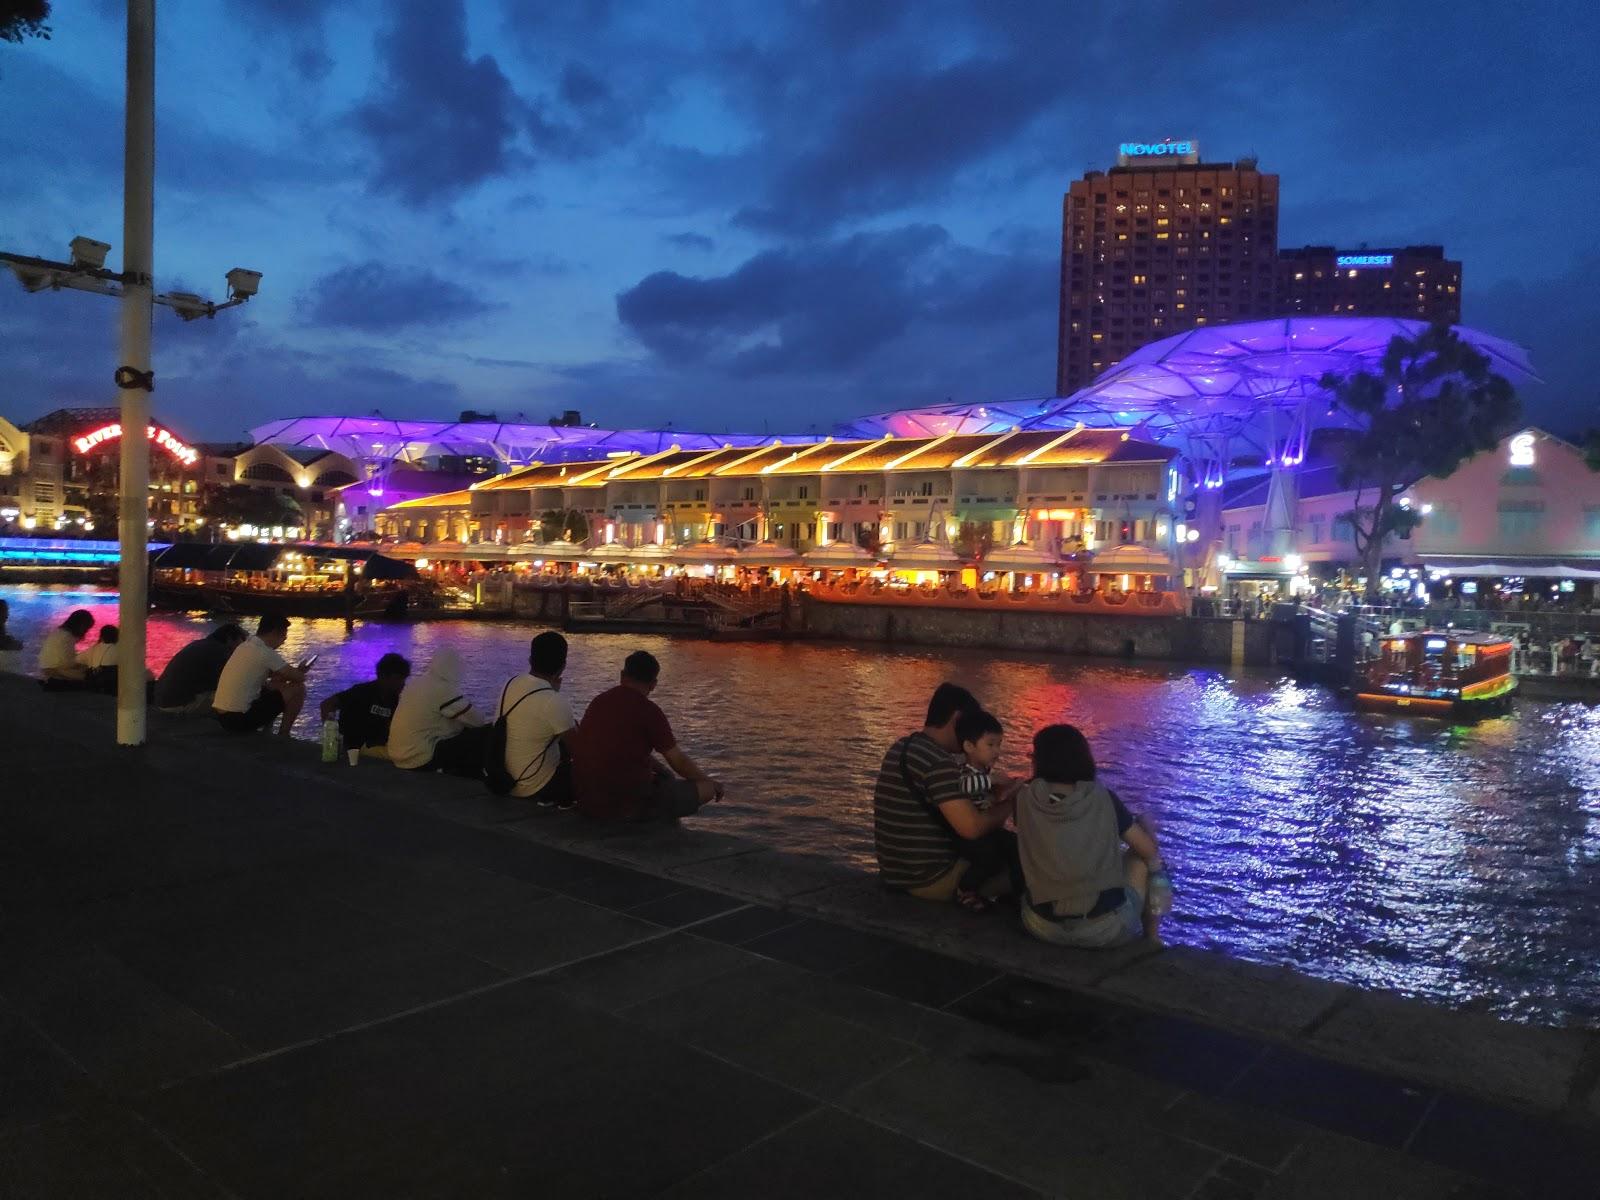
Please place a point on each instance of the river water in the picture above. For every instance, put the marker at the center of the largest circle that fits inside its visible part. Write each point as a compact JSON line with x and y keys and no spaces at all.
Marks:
{"x":1460,"y":863}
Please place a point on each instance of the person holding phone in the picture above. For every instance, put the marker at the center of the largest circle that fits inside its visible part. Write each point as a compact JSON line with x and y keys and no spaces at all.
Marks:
{"x":257,"y":683}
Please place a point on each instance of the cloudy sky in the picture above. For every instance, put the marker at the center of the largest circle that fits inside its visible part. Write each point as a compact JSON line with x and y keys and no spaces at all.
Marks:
{"x":751,"y":215}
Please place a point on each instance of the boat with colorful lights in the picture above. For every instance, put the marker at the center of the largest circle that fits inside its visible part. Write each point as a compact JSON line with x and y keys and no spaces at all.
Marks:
{"x":1438,"y":673}
{"x":295,"y":580}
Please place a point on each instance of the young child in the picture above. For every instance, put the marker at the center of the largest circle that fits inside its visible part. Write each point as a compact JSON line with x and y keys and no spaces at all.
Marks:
{"x":981,"y":737}
{"x":1082,"y":890}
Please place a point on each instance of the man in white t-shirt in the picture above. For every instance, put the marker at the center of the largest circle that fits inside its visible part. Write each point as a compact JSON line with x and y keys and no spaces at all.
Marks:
{"x":58,"y":653}
{"x":538,"y":722}
{"x":257,"y":683}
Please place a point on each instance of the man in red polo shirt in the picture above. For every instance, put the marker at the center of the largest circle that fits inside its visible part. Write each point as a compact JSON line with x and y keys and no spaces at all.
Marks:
{"x":614,"y":774}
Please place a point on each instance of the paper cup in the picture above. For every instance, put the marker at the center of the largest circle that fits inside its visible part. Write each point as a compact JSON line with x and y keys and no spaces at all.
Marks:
{"x":354,"y":756}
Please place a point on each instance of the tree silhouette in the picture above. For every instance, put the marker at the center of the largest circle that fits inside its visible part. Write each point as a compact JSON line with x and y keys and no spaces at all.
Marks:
{"x":1435,"y":404}
{"x":21,"y":19}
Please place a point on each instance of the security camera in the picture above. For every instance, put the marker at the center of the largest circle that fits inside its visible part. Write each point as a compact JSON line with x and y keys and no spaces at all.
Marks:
{"x":86,"y":252}
{"x":34,"y":279}
{"x":242,"y":284}
{"x":187,"y":305}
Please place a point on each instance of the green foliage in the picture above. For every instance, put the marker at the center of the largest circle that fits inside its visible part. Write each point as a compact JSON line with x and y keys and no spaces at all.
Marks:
{"x":556,"y":526}
{"x":21,"y":19}
{"x":241,"y":504}
{"x":974,"y":539}
{"x":1435,"y":404}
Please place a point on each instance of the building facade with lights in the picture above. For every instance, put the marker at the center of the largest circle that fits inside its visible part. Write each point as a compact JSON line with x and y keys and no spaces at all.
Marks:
{"x":1058,"y":492}
{"x":1160,"y":243}
{"x":60,"y":474}
{"x":1527,"y":509}
{"x":1415,"y":282}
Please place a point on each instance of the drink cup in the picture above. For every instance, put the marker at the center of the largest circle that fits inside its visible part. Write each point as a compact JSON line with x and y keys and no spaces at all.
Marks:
{"x":354,"y":755}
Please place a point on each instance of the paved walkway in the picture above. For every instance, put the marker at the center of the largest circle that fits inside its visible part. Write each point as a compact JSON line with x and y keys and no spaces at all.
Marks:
{"x":226,"y":973}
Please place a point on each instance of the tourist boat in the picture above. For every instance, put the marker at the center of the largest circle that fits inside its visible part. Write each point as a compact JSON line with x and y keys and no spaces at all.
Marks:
{"x":1438,"y":673}
{"x":295,"y":580}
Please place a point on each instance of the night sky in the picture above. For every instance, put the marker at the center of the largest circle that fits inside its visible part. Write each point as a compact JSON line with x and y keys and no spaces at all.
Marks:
{"x":750,"y":215}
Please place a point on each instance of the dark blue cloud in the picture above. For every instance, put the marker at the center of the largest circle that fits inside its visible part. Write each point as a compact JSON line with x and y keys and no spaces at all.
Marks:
{"x":438,"y":121}
{"x":380,"y":298}
{"x":834,"y":307}
{"x":690,"y":241}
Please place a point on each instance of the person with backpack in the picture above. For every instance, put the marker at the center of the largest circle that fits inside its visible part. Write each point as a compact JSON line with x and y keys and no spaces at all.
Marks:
{"x":527,"y":756}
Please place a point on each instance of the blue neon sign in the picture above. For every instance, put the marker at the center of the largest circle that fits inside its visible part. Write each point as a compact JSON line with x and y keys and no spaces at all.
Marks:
{"x":1167,"y":149}
{"x":1358,"y":261}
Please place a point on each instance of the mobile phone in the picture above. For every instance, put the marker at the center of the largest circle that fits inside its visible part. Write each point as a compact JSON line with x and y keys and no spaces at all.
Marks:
{"x":308,"y":663}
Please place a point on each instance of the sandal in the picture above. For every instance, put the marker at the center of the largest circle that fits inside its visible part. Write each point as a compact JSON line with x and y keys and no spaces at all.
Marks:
{"x":973,"y":902}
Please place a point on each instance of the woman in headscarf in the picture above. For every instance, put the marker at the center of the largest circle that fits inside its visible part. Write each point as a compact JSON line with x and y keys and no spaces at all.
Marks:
{"x":435,"y":727}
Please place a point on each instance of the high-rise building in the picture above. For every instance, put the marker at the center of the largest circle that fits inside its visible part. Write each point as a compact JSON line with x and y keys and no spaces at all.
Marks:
{"x":1417,"y":282}
{"x":1160,"y":243}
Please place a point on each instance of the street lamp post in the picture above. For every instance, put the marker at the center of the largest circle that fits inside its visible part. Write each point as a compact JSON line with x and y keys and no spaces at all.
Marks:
{"x":134,"y":285}
{"x":134,"y":377}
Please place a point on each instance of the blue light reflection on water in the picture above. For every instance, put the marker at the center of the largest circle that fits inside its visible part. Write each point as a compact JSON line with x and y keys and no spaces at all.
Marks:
{"x":1453,"y":862}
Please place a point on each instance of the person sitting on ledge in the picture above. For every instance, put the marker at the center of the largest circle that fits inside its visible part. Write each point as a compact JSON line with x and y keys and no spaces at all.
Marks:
{"x":58,"y":653}
{"x":257,"y":683}
{"x":539,"y":725}
{"x":435,"y":727}
{"x":1082,"y":890}
{"x":614,"y":776}
{"x":188,"y":683}
{"x":8,"y":644}
{"x":366,"y":709}
{"x":921,"y":815}
{"x":100,"y":661}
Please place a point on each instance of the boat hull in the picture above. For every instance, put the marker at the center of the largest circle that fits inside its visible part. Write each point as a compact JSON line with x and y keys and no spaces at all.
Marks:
{"x":1492,"y":703}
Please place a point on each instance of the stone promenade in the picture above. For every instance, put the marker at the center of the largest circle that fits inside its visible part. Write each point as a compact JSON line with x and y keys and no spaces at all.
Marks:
{"x":226,"y":970}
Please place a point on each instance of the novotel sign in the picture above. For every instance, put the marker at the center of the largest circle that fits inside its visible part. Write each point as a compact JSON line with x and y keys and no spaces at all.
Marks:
{"x":187,"y":455}
{"x":1185,"y":152}
{"x":1358,"y":261}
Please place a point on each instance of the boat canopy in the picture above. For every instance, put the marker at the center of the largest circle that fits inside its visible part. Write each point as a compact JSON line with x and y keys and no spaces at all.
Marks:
{"x":263,"y":556}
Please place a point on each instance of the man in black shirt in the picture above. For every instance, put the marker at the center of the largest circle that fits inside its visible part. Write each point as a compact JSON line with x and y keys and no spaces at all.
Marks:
{"x":188,"y":681}
{"x":366,"y":709}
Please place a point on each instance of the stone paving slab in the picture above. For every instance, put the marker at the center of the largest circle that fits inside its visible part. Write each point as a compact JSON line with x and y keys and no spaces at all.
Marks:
{"x":1537,"y":1067}
{"x":1228,"y":991}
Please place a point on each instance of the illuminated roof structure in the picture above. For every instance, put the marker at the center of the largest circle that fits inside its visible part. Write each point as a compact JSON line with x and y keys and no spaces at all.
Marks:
{"x":379,"y":441}
{"x":1210,"y":389}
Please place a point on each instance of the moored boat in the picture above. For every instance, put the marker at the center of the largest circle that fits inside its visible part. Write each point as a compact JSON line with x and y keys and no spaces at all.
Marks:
{"x":1438,"y":673}
{"x":295,"y":580}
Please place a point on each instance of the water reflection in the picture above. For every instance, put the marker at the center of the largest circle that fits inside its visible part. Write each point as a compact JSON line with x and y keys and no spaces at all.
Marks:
{"x":1458,"y":863}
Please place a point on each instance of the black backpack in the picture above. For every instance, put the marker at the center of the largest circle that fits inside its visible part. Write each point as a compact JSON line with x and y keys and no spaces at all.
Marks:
{"x":495,"y":776}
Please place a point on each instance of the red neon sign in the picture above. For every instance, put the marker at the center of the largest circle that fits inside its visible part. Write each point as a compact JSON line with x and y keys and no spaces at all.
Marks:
{"x":187,"y":455}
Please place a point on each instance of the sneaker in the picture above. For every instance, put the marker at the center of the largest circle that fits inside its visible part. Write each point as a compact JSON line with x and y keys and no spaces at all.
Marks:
{"x":566,"y":806}
{"x":546,"y":803}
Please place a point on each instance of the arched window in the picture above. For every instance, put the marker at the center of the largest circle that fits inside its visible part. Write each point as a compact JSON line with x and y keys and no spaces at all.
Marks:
{"x":333,"y":478}
{"x":267,"y":471}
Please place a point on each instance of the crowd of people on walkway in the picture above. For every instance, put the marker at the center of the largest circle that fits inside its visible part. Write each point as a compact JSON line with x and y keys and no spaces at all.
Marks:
{"x":949,"y":824}
{"x":620,"y":762}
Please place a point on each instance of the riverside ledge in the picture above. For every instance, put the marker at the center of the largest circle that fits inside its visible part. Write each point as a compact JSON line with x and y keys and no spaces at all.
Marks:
{"x":900,"y":1025}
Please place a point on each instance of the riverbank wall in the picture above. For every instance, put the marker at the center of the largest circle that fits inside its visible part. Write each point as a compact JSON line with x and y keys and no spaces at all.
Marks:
{"x":1160,"y":638}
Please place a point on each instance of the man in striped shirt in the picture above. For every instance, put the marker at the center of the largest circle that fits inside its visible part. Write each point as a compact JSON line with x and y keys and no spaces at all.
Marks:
{"x":920,"y":812}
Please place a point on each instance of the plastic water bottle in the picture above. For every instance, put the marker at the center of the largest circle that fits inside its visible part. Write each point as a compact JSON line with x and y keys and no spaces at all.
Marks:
{"x":1160,"y":892}
{"x":330,"y":741}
